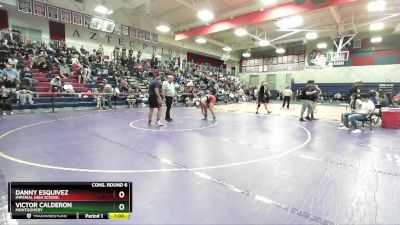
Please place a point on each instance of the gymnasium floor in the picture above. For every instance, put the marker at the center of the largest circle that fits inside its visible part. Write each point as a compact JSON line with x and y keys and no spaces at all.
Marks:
{"x":244,"y":169}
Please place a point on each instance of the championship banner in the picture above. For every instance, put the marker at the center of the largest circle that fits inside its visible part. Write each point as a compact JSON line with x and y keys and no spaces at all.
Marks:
{"x":39,"y":9}
{"x":125,"y":30}
{"x":77,"y":18}
{"x":146,"y":36}
{"x":132,"y":32}
{"x":86,"y":20}
{"x":52,"y":12}
{"x":140,"y":34}
{"x":65,"y":15}
{"x":154,"y":38}
{"x":25,"y":6}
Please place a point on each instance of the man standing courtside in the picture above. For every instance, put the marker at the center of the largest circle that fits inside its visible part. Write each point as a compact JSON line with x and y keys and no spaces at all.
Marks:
{"x":155,"y":99}
{"x":306,"y":98}
{"x":355,"y":93}
{"x":169,"y":94}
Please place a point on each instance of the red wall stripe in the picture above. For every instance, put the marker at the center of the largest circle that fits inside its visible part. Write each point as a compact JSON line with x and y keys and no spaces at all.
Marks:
{"x":363,"y":60}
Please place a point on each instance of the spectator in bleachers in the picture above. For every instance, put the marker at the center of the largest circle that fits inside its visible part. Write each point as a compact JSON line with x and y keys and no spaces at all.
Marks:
{"x":68,"y":88}
{"x":26,"y":77}
{"x":9,"y":71}
{"x":5,"y":100}
{"x":39,"y":62}
{"x":24,"y":95}
{"x":97,"y":97}
{"x":131,"y":99}
{"x":124,"y":85}
{"x":87,"y":71}
{"x":12,"y":61}
{"x":28,"y":61}
{"x":65,"y":72}
{"x":55,"y":84}
{"x":107,"y":95}
{"x":10,"y":83}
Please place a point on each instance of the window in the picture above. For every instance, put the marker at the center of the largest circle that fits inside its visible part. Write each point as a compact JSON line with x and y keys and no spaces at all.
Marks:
{"x":30,"y":34}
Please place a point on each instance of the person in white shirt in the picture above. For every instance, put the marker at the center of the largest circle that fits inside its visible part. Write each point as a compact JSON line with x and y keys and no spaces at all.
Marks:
{"x":68,"y":88}
{"x":169,"y":93}
{"x":367,"y":108}
{"x":287,"y":95}
{"x":55,"y":84}
{"x":13,"y":62}
{"x":344,"y":115}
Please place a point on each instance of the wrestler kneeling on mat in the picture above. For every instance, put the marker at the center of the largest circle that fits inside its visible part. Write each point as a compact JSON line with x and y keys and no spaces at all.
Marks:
{"x":207,"y":102}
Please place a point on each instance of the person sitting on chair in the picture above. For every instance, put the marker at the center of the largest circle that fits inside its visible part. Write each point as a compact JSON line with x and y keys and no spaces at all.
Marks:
{"x":367,"y":108}
{"x":345,"y":115}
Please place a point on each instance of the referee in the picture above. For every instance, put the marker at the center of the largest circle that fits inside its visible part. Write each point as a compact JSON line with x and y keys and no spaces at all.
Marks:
{"x":169,"y":94}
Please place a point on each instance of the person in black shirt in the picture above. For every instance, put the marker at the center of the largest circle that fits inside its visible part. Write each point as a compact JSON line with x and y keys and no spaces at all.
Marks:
{"x":263,"y":97}
{"x":307,"y":95}
{"x":155,"y":99}
{"x":355,"y":93}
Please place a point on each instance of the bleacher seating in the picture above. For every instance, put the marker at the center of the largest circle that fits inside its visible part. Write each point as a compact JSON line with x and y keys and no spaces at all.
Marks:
{"x":62,"y":100}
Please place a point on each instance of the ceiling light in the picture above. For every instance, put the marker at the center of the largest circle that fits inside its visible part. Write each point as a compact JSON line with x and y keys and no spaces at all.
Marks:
{"x":268,"y":2}
{"x":227,"y":49}
{"x":240,"y":32}
{"x":280,"y":50}
{"x":246,"y":54}
{"x":101,"y":9}
{"x":311,"y":35}
{"x":263,"y":43}
{"x":289,"y":22}
{"x":322,"y":45}
{"x":1,"y":6}
{"x":376,"y":26}
{"x":376,"y":6}
{"x":377,"y":39}
{"x":163,"y":28}
{"x":205,"y":15}
{"x":201,"y":40}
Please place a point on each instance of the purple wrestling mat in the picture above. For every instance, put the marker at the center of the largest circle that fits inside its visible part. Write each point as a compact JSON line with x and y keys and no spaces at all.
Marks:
{"x":244,"y":169}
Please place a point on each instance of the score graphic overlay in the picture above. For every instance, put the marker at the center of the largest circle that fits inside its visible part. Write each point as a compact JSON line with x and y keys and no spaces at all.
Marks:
{"x":70,"y":200}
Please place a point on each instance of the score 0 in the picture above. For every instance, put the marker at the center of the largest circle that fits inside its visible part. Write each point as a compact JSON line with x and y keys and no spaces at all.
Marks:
{"x":122,"y":195}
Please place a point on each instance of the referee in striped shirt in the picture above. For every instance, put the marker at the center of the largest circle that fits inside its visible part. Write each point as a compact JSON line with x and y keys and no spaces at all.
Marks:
{"x":169,"y":93}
